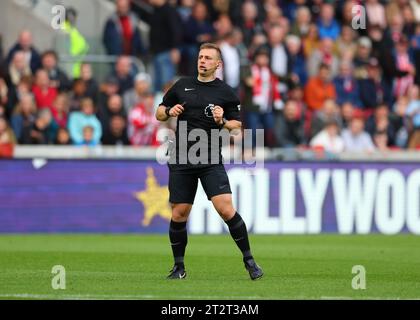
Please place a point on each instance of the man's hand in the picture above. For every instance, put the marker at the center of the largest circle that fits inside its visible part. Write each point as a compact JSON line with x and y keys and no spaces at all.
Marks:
{"x":218,"y":115}
{"x":176,"y":110}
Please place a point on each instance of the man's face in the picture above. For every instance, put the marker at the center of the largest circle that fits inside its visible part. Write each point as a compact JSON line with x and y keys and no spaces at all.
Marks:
{"x":49,"y":62}
{"x":208,"y":62}
{"x":324,"y":74}
{"x":25,"y":40}
{"x":123,"y":7}
{"x":356,"y":126}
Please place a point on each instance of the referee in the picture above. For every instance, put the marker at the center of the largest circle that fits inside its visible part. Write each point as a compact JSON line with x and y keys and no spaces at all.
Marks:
{"x":205,"y":103}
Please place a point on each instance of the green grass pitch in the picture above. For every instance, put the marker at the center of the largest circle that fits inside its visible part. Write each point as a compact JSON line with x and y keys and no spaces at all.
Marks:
{"x":135,"y":267}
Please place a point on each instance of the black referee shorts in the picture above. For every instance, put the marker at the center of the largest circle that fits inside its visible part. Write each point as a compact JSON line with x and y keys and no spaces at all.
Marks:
{"x":183,"y":182}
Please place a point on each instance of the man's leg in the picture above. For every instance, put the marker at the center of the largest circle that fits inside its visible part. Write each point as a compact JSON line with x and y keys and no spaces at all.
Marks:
{"x":182,"y":188}
{"x":178,"y":232}
{"x":237,"y":228}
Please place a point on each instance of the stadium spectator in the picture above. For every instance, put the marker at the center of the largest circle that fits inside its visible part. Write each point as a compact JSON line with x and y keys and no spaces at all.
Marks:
{"x":362,"y":57}
{"x":113,"y":108}
{"x":327,"y":25}
{"x":165,"y":40}
{"x":327,"y":113}
{"x":346,"y":111}
{"x":60,"y":109}
{"x":297,"y":61}
{"x":24,"y":87}
{"x":375,"y":13}
{"x":380,"y":140}
{"x":261,"y":96}
{"x":301,"y":24}
{"x":124,"y":72}
{"x":4,"y":96}
{"x":30,"y":54}
{"x":329,"y":138}
{"x":121,"y":35}
{"x":323,"y":55}
{"x":404,"y":64}
{"x":345,"y":44}
{"x":399,"y":120}
{"x":319,"y":89}
{"x":273,"y":16}
{"x":42,"y":90}
{"x":92,"y":88}
{"x":43,"y":129}
{"x":249,"y":21}
{"x":413,"y":115}
{"x":88,"y":137}
{"x":23,"y":116}
{"x":185,"y":9}
{"x":108,"y":88}
{"x":279,"y":60}
{"x":380,"y":121}
{"x":409,"y":21}
{"x":63,"y":137}
{"x":223,"y":25}
{"x":142,"y":86}
{"x":197,"y":30}
{"x":143,"y":126}
{"x":355,"y":138}
{"x":310,"y":41}
{"x":231,"y":67}
{"x":344,"y":12}
{"x":346,"y":86}
{"x":18,"y":68}
{"x":58,"y":79}
{"x":117,"y":133}
{"x":288,"y":126}
{"x":7,"y":137}
{"x":77,"y":94}
{"x":373,"y":89}
{"x":78,"y":120}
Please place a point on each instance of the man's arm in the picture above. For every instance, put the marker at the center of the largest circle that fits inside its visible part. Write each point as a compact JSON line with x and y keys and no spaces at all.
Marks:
{"x":163,"y":115}
{"x":228,"y":124}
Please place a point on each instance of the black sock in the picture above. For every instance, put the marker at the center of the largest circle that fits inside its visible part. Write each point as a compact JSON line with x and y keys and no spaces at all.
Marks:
{"x":179,"y":238}
{"x":239,"y":234}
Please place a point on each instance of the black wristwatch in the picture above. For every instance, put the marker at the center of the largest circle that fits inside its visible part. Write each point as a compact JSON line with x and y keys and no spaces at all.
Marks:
{"x":223,"y":123}
{"x":167,"y":109}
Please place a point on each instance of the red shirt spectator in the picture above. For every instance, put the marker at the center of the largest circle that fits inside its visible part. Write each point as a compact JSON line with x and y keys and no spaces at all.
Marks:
{"x":143,"y":125}
{"x":44,"y":94}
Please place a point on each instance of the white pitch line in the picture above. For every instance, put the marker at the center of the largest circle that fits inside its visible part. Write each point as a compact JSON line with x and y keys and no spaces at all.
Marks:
{"x":117,"y":297}
{"x":367,"y":298}
{"x":159,"y":297}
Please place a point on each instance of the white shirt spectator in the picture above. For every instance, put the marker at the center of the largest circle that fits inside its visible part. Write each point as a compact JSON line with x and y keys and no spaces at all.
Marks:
{"x":231,"y":64}
{"x":330,"y":143}
{"x":361,"y":142}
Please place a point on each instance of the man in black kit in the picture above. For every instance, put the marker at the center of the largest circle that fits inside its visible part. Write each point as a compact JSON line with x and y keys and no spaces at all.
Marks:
{"x":205,"y":103}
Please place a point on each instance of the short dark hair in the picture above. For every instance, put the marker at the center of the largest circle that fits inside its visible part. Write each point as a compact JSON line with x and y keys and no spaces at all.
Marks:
{"x":50,"y":53}
{"x":209,"y":45}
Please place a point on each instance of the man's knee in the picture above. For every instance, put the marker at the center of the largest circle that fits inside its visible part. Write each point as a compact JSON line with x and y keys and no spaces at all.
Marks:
{"x":180,"y":211}
{"x":223,"y":205}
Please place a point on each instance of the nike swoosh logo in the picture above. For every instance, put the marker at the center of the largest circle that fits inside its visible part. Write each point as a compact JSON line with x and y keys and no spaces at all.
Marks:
{"x":238,"y":239}
{"x":175,"y":244}
{"x":222,"y":187}
{"x":189,"y":89}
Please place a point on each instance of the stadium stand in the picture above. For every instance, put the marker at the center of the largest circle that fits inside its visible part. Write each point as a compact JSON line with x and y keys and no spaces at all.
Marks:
{"x":303,"y":73}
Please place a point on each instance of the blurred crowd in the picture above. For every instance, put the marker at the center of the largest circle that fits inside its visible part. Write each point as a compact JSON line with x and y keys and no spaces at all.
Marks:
{"x":331,"y":75}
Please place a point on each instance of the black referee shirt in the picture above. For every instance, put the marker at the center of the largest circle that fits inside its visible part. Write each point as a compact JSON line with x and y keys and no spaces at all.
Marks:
{"x":198,"y":99}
